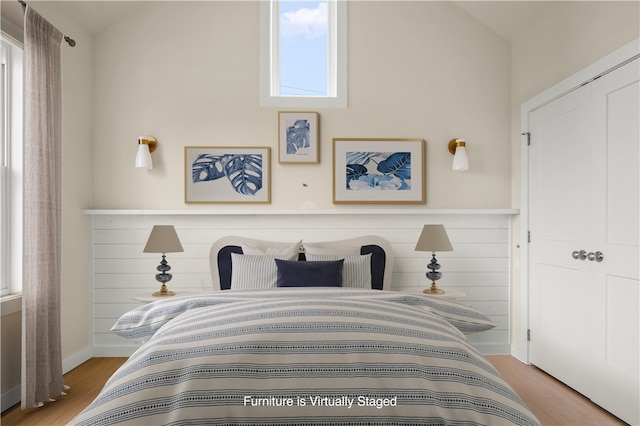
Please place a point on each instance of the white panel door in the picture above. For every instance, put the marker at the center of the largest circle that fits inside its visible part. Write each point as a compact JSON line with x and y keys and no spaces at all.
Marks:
{"x":616,"y":101}
{"x":561,"y":199}
{"x":584,"y":223}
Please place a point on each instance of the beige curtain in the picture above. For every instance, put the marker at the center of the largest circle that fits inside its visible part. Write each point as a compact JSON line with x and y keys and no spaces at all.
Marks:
{"x":41,"y":345}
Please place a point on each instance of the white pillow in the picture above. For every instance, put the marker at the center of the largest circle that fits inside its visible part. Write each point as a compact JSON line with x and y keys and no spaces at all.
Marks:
{"x":290,"y":250}
{"x":321,"y":249}
{"x":255,"y":271}
{"x":356,"y":272}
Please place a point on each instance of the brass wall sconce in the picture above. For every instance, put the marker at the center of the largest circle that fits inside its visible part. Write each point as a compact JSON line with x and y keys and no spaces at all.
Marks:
{"x":458,"y":147}
{"x":146,"y":145}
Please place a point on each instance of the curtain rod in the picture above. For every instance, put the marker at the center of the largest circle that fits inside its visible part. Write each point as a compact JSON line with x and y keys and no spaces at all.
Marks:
{"x":68,"y":39}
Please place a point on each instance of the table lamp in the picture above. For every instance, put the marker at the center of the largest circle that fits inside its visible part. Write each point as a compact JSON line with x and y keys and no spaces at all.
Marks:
{"x":433,"y":238}
{"x":163,"y":239}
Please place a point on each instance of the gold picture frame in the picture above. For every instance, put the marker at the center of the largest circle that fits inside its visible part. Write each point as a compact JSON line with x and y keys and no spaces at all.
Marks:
{"x":378,"y":171}
{"x":298,"y":137}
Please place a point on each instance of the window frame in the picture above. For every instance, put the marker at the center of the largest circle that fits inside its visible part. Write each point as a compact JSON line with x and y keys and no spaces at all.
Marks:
{"x":11,"y":165}
{"x":336,"y":52}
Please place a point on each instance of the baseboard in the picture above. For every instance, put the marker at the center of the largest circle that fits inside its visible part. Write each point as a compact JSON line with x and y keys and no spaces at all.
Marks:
{"x":11,"y":398}
{"x":492,"y":348}
{"x":76,"y":359}
{"x":520,"y":353}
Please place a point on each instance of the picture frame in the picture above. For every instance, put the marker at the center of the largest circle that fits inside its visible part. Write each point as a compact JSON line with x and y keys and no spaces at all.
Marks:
{"x":298,"y":137}
{"x":378,"y":171}
{"x":227,"y":174}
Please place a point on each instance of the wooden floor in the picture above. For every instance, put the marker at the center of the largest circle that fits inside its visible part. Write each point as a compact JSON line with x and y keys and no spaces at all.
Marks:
{"x":551,"y":401}
{"x":85,"y":383}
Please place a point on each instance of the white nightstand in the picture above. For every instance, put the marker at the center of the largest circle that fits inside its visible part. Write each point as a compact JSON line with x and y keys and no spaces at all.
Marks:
{"x":453,"y":295}
{"x":149,"y":297}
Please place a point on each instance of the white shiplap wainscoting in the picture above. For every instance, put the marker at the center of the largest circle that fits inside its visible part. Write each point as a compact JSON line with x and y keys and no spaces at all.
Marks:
{"x":479,"y":264}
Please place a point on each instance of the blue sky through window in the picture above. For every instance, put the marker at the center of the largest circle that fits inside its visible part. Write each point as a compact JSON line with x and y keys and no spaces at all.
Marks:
{"x":303,"y":48}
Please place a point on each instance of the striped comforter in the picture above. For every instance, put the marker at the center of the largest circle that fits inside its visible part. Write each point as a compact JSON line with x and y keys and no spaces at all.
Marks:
{"x":303,"y":356}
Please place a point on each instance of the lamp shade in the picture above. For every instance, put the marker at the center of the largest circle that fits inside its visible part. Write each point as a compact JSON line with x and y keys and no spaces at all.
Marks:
{"x":143,"y":157}
{"x":163,"y":239}
{"x":460,"y":159}
{"x":433,"y":238}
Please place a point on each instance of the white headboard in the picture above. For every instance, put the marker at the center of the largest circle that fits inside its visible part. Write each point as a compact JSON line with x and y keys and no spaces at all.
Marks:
{"x":381,"y":261}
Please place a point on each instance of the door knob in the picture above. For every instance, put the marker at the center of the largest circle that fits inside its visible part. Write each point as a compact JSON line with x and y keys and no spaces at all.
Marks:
{"x":597,"y":256}
{"x":582,"y":254}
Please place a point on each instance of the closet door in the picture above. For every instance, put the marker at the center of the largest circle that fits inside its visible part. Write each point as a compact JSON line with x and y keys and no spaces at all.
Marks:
{"x":584,"y":258}
{"x":616,"y":101}
{"x":562,"y":180}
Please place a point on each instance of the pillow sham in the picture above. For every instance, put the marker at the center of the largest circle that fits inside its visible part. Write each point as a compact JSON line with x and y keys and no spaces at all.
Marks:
{"x":255,"y":271}
{"x":356,"y":272}
{"x":321,"y":249}
{"x":289,"y":250}
{"x":465,"y":318}
{"x":309,"y":273}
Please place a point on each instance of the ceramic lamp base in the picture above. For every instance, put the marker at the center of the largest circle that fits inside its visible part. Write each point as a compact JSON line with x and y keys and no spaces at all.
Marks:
{"x":433,"y":275}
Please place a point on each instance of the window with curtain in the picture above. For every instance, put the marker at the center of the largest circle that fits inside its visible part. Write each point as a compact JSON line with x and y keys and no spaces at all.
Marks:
{"x":303,"y":53}
{"x":11,"y":85}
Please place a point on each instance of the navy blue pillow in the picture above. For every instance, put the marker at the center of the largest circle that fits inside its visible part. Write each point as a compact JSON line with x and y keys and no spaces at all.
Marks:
{"x":309,"y":274}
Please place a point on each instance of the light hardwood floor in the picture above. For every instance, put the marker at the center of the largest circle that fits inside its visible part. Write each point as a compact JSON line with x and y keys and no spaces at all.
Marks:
{"x":551,"y":401}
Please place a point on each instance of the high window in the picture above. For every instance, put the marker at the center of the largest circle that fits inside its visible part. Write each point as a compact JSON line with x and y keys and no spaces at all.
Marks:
{"x":303,"y":53}
{"x":10,"y":164}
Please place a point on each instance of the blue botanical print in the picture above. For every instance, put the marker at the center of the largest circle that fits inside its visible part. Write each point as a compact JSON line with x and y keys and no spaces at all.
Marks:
{"x":244,"y":171}
{"x":394,"y":171}
{"x":298,"y":138}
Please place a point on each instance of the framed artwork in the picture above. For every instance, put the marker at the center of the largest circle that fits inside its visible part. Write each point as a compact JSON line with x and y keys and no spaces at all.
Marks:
{"x":378,"y":171}
{"x":298,"y":137}
{"x":227,"y":174}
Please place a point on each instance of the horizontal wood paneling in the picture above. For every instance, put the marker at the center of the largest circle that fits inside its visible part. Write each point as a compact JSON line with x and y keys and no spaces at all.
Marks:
{"x":479,"y":264}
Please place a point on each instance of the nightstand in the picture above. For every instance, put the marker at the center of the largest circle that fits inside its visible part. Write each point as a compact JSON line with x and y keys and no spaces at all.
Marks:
{"x":148,"y":297}
{"x":453,"y":295}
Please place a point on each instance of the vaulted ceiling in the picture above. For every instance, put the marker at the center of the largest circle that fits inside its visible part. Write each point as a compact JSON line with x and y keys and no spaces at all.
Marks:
{"x":506,"y":18}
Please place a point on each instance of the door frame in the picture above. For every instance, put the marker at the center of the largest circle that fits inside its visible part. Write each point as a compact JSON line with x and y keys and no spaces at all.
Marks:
{"x":610,"y":62}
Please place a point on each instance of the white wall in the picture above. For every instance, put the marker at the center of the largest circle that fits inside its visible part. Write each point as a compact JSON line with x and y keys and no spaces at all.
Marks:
{"x":568,"y":38}
{"x":187,"y":73}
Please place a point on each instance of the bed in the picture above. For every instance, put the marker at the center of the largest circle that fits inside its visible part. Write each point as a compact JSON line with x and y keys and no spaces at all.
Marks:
{"x":323,"y":352}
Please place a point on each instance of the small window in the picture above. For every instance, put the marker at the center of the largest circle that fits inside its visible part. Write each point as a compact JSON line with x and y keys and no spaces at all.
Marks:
{"x":303,"y":53}
{"x":11,"y":89}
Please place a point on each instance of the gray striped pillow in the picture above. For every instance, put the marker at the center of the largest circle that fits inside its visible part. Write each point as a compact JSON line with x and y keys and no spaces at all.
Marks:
{"x":356,"y":272}
{"x":250,"y":271}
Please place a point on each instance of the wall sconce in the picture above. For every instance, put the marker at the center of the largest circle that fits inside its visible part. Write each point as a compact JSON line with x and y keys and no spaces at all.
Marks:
{"x":146,"y":145}
{"x":459,"y":150}
{"x":163,"y":239}
{"x":433,"y":238}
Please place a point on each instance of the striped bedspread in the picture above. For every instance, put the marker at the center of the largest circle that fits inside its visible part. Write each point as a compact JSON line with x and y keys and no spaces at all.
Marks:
{"x":305,"y":357}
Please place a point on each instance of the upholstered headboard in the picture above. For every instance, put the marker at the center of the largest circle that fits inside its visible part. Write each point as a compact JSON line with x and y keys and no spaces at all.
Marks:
{"x":380,"y":249}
